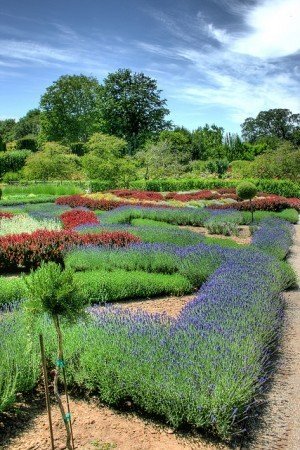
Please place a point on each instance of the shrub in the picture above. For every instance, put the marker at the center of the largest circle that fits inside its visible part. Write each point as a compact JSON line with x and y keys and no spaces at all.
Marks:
{"x":75,"y":217}
{"x":11,"y":290}
{"x":285,"y":188}
{"x":5,"y":215}
{"x":13,"y":161}
{"x":139,"y":195}
{"x":246,"y":190}
{"x":30,"y":250}
{"x":27,"y":143}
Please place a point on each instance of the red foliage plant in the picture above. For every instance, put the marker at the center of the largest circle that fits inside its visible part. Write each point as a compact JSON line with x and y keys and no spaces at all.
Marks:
{"x":75,"y":217}
{"x":27,"y":251}
{"x":263,"y":204}
{"x":5,"y":215}
{"x":102,"y":204}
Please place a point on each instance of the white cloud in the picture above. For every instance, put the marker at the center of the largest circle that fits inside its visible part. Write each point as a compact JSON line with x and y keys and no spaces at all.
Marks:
{"x":32,"y":51}
{"x":275,"y":31}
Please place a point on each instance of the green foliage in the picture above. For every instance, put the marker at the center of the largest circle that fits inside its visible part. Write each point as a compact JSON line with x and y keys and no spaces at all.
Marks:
{"x":32,"y":189}
{"x":246,"y":190}
{"x":70,"y":109}
{"x":54,"y":291}
{"x":286,"y":188}
{"x":101,"y":286}
{"x":282,"y":163}
{"x":131,"y":107}
{"x":27,"y":143}
{"x":179,"y":143}
{"x":28,"y":125}
{"x":53,"y":162}
{"x":159,"y":160}
{"x":7,"y":129}
{"x":290,"y":215}
{"x":11,"y":290}
{"x":104,"y":160}
{"x":105,"y":146}
{"x":279,"y":123}
{"x":207,"y":142}
{"x":234,"y":147}
{"x":13,"y":161}
{"x":2,"y":145}
{"x":20,"y":362}
{"x":78,"y":148}
{"x":218,"y":166}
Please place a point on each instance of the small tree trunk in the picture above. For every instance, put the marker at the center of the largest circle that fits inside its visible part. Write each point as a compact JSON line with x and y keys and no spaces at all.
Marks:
{"x":56,"y":377}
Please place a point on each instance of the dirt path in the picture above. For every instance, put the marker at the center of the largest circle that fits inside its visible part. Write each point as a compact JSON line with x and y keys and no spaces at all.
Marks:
{"x":280,"y":423}
{"x":98,"y":427}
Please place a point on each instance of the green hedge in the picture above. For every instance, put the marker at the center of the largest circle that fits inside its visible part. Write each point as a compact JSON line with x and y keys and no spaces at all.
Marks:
{"x":13,"y":161}
{"x":285,"y":188}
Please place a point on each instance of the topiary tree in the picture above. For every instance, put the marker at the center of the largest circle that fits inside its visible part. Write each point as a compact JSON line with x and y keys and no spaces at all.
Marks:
{"x":53,"y":291}
{"x":247,"y":191}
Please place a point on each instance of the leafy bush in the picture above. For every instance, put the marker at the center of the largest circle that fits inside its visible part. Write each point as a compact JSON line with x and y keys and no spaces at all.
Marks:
{"x":13,"y":161}
{"x":30,"y":250}
{"x":290,"y":215}
{"x":27,"y":143}
{"x":246,"y":190}
{"x":75,"y":217}
{"x":11,"y":290}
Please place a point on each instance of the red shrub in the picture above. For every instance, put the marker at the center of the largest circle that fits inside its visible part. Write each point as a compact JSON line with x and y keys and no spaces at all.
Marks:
{"x":29,"y":250}
{"x":5,"y":215}
{"x":75,"y":217}
{"x":263,"y":204}
{"x":106,"y":205}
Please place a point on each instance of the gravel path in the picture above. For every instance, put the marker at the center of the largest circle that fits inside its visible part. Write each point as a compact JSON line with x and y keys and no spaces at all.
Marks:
{"x":280,"y":423}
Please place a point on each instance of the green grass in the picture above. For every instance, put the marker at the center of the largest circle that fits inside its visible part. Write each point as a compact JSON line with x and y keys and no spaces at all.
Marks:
{"x":11,"y":290}
{"x":291,"y":215}
{"x":150,"y":223}
{"x":55,"y":188}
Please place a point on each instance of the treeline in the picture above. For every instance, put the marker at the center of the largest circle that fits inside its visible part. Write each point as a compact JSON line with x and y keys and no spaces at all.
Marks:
{"x":118,"y":131}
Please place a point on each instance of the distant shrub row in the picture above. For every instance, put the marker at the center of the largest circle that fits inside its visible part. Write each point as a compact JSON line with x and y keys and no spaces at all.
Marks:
{"x":285,"y":188}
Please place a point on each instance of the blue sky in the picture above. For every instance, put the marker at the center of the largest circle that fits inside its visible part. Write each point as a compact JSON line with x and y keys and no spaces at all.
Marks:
{"x":217,"y":61}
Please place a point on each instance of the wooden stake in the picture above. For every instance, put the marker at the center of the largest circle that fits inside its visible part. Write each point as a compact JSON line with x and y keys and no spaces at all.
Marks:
{"x":47,"y":389}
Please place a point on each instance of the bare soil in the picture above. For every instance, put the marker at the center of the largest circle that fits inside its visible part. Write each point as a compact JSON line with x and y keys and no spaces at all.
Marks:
{"x":96,"y":426}
{"x":244,"y":235}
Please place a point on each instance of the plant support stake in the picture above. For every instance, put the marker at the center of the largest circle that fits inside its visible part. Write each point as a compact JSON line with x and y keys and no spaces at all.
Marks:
{"x":44,"y":364}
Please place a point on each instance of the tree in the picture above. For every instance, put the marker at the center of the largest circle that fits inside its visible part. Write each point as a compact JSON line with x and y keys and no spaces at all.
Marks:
{"x":247,"y":191}
{"x":234,"y":147}
{"x":103,"y":160}
{"x":158,"y":161}
{"x":54,"y":162}
{"x":28,"y":125}
{"x":7,"y":129}
{"x":280,"y":123}
{"x":104,"y":144}
{"x":218,"y":166}
{"x":131,"y":107}
{"x":207,"y":142}
{"x":179,"y":143}
{"x":70,"y":109}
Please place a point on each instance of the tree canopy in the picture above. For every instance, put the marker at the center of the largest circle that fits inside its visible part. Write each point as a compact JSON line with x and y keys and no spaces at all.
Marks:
{"x":279,"y":123}
{"x":131,"y":107}
{"x":70,"y":110}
